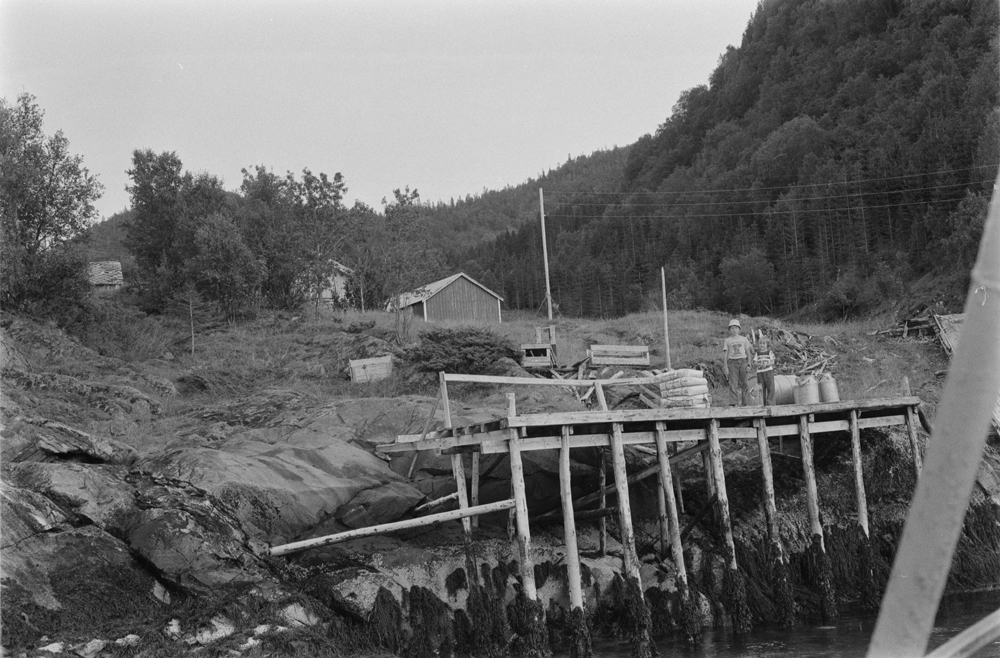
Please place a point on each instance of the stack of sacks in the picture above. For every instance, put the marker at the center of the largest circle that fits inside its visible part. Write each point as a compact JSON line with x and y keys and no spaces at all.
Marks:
{"x":684,"y":388}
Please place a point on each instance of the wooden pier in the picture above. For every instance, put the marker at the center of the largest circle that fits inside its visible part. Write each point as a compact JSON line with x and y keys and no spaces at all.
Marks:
{"x":672,"y":434}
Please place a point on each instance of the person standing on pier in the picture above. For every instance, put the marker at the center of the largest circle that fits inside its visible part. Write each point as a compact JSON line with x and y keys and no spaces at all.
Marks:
{"x":763,"y":362}
{"x":736,"y":352}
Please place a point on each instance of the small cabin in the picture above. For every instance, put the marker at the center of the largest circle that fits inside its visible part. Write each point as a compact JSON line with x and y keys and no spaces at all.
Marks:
{"x":105,"y":276}
{"x":458,"y":297}
{"x":335,"y":289}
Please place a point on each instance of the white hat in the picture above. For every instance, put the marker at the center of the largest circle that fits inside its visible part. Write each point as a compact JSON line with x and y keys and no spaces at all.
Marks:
{"x":734,"y":323}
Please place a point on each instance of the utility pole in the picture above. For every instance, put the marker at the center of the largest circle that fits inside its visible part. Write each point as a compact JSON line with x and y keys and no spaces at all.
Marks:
{"x":666,"y":331}
{"x":545,"y":251}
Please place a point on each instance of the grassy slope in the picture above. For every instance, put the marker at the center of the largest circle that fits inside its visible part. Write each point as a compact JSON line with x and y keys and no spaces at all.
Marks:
{"x":307,"y":354}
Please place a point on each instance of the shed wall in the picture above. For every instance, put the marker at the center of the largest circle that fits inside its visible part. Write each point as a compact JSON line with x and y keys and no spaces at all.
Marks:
{"x":462,"y":300}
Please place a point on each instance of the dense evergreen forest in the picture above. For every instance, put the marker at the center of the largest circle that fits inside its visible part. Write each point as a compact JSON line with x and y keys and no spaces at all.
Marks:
{"x":839,"y":159}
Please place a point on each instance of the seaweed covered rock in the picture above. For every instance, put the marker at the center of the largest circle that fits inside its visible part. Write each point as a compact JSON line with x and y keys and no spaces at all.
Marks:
{"x":285,"y":481}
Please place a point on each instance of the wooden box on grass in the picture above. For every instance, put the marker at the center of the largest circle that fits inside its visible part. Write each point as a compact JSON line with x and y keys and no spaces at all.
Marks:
{"x":371,"y":370}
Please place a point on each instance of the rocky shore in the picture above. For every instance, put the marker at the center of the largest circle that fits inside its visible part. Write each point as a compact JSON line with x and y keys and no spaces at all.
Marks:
{"x":111,"y":550}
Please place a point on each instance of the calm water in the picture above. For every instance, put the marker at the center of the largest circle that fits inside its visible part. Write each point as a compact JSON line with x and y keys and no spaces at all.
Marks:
{"x":849,"y":639}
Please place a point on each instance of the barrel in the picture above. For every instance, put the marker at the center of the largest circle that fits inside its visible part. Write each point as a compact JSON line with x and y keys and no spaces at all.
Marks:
{"x":828,"y":388}
{"x":784,"y":389}
{"x":806,"y":390}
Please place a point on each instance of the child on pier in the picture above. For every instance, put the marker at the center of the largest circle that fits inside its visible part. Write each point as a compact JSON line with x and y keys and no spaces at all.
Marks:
{"x":763,"y":361}
{"x":736,"y":353}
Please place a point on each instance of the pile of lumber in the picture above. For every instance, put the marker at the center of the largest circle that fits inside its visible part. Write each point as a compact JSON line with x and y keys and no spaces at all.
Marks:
{"x":797,"y":356}
{"x":911,"y":326}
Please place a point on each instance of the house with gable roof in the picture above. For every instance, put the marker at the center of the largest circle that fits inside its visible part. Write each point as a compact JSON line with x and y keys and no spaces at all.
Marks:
{"x":458,"y":297}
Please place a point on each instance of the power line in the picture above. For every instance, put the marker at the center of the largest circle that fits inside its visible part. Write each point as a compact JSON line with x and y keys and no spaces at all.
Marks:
{"x":853,"y":195}
{"x":786,"y":187}
{"x":811,"y":211}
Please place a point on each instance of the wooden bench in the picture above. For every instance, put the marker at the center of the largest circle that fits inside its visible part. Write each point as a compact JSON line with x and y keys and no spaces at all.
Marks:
{"x":618,"y":355}
{"x":371,"y":370}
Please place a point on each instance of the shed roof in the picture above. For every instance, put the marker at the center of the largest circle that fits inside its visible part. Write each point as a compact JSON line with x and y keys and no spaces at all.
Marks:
{"x":105,"y":273}
{"x":424,"y":293}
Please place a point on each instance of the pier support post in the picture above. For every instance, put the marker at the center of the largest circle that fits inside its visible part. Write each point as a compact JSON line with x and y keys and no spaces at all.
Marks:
{"x":532,"y":634}
{"x":458,"y":468}
{"x":602,"y":483}
{"x":779,"y":561}
{"x":911,"y":432}
{"x":828,"y":605}
{"x":866,"y":574}
{"x":733,"y":582}
{"x":474,"y":497}
{"x":580,"y":641}
{"x":691,"y":625}
{"x":642,"y":643}
{"x":521,"y":516}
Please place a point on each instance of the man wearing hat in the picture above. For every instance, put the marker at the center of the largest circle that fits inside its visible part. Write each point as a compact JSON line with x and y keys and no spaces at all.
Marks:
{"x":736,"y":352}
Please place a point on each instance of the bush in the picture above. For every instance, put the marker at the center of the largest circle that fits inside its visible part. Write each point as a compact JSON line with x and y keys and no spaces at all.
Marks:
{"x":51,"y":284}
{"x":462,"y":350}
{"x":113,"y":329}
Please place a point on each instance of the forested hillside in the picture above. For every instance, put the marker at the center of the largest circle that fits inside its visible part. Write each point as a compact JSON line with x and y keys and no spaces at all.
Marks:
{"x":462,"y":224}
{"x":844,"y":151}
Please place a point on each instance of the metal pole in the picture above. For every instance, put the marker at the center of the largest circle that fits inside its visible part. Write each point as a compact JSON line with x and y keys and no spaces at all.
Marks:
{"x":545,"y":251}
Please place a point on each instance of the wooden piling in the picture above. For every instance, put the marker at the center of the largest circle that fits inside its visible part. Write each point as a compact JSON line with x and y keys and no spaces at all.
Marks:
{"x":666,"y":478}
{"x":602,"y":480}
{"x":458,"y":469}
{"x":859,"y":476}
{"x":911,"y":432}
{"x":521,"y":516}
{"x":569,"y":525}
{"x":809,"y":471}
{"x":719,"y":477}
{"x":602,"y":483}
{"x":474,"y":497}
{"x":642,"y":643}
{"x":733,"y":584}
{"x":678,"y":494}
{"x":828,"y":604}
{"x":770,"y":508}
{"x":661,"y":508}
{"x":511,"y":516}
{"x":782,"y":586}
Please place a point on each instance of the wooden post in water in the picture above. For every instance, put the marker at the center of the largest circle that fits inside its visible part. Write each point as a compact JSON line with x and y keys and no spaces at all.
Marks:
{"x":458,"y":468}
{"x":642,"y":644}
{"x":733,"y":583}
{"x":521,"y":516}
{"x":474,"y":498}
{"x":511,"y":516}
{"x":602,"y":483}
{"x":706,"y":462}
{"x":666,"y":486}
{"x":828,"y":604}
{"x":578,"y":629}
{"x":859,"y":476}
{"x":678,"y":494}
{"x":569,"y":525}
{"x":602,"y":480}
{"x":719,"y":475}
{"x":911,"y":432}
{"x":809,"y":471}
{"x":770,"y":509}
{"x":661,"y":507}
{"x":782,"y":588}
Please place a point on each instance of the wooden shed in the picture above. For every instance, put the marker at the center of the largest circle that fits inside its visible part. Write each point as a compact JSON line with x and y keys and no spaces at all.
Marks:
{"x":459,"y":297}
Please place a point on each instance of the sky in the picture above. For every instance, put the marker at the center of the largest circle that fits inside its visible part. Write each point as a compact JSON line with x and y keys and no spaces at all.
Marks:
{"x":449,"y":97}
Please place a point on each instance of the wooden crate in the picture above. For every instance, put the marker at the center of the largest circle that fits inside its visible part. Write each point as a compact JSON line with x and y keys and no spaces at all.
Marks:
{"x":538,"y":355}
{"x":618,"y":355}
{"x":371,"y":370}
